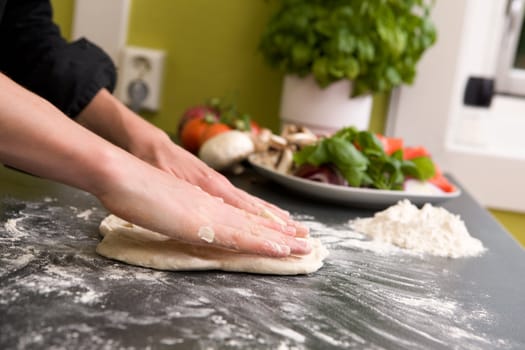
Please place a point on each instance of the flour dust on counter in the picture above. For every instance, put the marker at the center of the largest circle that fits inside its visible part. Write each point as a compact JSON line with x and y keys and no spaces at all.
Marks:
{"x":390,"y":283}
{"x":57,"y":292}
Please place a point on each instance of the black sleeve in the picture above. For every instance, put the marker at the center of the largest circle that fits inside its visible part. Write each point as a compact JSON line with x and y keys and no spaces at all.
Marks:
{"x":33,"y":53}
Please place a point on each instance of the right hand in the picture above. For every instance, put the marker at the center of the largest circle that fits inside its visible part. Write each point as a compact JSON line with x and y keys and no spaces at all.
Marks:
{"x":156,"y":200}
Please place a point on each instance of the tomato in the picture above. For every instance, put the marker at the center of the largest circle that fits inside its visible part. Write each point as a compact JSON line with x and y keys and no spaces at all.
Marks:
{"x":213,"y":130}
{"x":442,"y":182}
{"x":197,"y":112}
{"x":191,"y":134}
{"x":390,"y":144}
{"x":415,"y":152}
{"x":196,"y":131}
{"x":200,"y":123}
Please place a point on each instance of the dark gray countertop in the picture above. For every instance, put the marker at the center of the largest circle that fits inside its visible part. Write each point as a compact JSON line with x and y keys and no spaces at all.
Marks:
{"x":56,"y":292}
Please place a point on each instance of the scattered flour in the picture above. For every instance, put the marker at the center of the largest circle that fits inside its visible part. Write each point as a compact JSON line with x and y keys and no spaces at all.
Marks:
{"x":19,"y":261}
{"x":288,"y":333}
{"x":11,"y":227}
{"x":85,"y":214}
{"x":429,"y":230}
{"x":88,"y":297}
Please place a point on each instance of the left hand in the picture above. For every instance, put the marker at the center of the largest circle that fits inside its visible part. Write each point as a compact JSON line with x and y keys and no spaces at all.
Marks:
{"x":110,"y":119}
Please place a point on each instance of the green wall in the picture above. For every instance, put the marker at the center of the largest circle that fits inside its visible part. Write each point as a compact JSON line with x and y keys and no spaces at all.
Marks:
{"x":63,"y":15}
{"x":513,"y":222}
{"x":211,"y":49}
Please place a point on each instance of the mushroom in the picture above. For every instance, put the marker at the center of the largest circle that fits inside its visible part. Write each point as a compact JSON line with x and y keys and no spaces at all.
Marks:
{"x":277,"y":142}
{"x":301,"y":139}
{"x":227,"y":149}
{"x":262,"y":140}
{"x":267,"y":159}
{"x":285,"y":162}
{"x":276,"y":151}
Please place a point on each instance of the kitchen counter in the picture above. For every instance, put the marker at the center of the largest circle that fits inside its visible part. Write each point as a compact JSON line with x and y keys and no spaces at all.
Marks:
{"x":56,"y":292}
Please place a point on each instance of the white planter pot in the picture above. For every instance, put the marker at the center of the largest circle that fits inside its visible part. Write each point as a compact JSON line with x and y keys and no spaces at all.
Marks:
{"x":326,"y":110}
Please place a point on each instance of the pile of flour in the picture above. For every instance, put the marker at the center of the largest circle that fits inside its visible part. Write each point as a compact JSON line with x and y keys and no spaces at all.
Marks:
{"x":429,"y":230}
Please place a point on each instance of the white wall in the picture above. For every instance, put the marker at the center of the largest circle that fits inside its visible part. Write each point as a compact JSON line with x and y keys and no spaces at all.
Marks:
{"x":482,"y":148}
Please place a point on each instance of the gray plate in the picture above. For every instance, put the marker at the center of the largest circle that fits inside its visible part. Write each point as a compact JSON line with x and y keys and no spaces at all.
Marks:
{"x":362,"y":197}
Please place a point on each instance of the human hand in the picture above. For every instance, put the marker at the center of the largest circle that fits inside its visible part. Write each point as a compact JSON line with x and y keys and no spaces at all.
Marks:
{"x":125,"y":185}
{"x":109,"y":118}
{"x":158,"y":201}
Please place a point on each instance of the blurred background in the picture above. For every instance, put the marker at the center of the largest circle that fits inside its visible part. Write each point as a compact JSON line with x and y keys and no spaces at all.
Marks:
{"x":211,"y":50}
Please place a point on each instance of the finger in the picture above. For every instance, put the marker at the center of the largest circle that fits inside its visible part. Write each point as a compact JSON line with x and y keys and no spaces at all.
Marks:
{"x":258,"y":206}
{"x":261,"y":240}
{"x":281,"y":227}
{"x":234,"y":228}
{"x":297,"y":245}
{"x":300,"y":229}
{"x":252,"y":204}
{"x":233,"y":238}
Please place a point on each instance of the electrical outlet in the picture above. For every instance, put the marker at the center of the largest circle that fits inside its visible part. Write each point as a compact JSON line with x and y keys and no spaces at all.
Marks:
{"x":147,"y":65}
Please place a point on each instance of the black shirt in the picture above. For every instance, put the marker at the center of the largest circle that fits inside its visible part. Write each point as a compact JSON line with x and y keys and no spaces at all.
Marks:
{"x":34,"y":54}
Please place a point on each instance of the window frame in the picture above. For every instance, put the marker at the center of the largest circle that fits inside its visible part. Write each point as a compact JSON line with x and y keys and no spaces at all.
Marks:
{"x":511,"y":80}
{"x":431,"y":111}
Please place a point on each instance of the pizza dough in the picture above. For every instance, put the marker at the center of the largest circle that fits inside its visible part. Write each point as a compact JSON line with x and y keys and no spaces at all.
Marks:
{"x":135,"y":245}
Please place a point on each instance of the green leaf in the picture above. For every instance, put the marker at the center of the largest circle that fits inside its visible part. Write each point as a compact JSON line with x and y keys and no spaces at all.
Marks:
{"x":351,"y":69}
{"x":375,"y":43}
{"x":393,"y":76}
{"x":425,"y":167}
{"x":345,"y":154}
{"x":303,"y":156}
{"x":346,"y":42}
{"x":301,"y":54}
{"x":369,"y":142}
{"x":320,"y":71}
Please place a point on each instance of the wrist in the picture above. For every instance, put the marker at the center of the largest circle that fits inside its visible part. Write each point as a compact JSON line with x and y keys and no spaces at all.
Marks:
{"x":148,"y":143}
{"x":104,"y":170}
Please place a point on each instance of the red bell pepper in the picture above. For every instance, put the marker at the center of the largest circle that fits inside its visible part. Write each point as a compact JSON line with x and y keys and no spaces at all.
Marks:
{"x":439,"y":180}
{"x":415,"y":152}
{"x":390,"y":144}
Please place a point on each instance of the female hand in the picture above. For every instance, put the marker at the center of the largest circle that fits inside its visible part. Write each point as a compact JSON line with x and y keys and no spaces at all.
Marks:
{"x":63,"y":151}
{"x":152,"y":198}
{"x":109,"y":118}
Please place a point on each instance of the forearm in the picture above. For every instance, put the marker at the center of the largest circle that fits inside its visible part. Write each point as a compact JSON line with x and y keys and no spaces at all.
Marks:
{"x":108,"y":117}
{"x":37,"y":138}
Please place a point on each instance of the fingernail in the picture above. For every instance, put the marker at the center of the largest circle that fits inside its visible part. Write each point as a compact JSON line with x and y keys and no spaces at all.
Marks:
{"x":302,"y":231}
